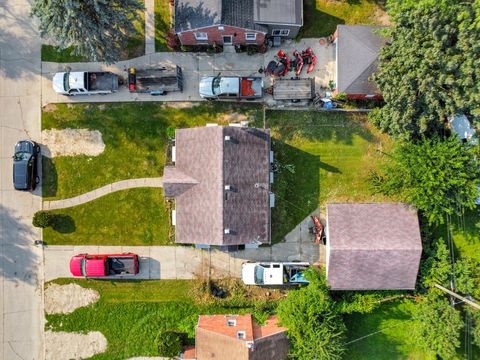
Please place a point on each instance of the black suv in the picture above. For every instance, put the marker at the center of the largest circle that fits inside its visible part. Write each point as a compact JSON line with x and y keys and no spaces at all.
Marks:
{"x":25,"y":165}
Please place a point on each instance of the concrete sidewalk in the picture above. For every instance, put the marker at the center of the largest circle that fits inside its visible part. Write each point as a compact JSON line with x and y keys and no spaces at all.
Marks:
{"x":194,"y":66}
{"x":149,"y":27}
{"x":104,"y":190}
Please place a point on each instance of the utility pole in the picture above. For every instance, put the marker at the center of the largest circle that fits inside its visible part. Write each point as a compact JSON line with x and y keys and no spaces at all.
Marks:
{"x":464,"y":299}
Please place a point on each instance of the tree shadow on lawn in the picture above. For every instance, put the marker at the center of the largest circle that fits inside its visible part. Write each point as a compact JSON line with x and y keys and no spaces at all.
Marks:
{"x":49,"y":177}
{"x":296,"y":187}
{"x":318,"y":23}
{"x":319,"y":126}
{"x":63,"y":224}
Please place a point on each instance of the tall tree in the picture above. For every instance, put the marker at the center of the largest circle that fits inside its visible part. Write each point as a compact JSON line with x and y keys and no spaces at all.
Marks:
{"x":96,"y":29}
{"x":439,"y":325}
{"x":429,"y":71}
{"x":315,"y":329}
{"x":439,"y":176}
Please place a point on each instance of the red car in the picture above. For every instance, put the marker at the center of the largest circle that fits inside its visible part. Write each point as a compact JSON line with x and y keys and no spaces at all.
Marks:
{"x":104,"y":265}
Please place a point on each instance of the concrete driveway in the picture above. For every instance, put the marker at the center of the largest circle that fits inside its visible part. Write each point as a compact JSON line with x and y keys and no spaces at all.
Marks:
{"x":21,"y":270}
{"x":194,"y":66}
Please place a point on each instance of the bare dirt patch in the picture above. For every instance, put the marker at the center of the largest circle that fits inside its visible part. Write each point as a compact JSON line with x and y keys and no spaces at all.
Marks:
{"x":181,"y":104}
{"x":233,"y":118}
{"x":67,"y":345}
{"x":71,"y":142}
{"x":64,"y":299}
{"x":50,"y":107}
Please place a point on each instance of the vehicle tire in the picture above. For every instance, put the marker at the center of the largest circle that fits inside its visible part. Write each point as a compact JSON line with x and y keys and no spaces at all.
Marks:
{"x":38,"y":149}
{"x":37,"y":180}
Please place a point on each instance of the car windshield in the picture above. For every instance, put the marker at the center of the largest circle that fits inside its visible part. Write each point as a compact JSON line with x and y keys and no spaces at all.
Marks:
{"x":19,"y":156}
{"x":83,"y":267}
{"x":216,"y":85}
{"x":66,"y":84}
{"x":259,"y":274}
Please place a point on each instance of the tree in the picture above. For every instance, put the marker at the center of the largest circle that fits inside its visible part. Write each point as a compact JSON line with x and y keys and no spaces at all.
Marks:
{"x":439,"y":176}
{"x":437,"y":268}
{"x":96,"y":29}
{"x":170,"y":343}
{"x":439,"y":325}
{"x":429,"y":69}
{"x":315,"y":328}
{"x":42,"y":219}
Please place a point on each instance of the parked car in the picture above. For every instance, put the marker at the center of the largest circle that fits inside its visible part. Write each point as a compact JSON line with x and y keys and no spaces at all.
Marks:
{"x":100,"y":265}
{"x":25,"y":166}
{"x":273,"y":273}
{"x":85,"y":83}
{"x":231,"y":87}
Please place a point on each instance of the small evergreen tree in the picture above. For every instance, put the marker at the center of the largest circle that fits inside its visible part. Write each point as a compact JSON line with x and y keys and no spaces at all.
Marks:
{"x":42,"y":219}
{"x":315,"y":328}
{"x":97,"y":29}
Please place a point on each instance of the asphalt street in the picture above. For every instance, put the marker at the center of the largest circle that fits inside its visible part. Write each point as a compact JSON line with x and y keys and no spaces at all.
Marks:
{"x":21,"y":263}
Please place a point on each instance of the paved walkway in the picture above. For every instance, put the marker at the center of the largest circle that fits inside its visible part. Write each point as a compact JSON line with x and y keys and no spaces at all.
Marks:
{"x":104,"y":190}
{"x":194,"y":65}
{"x":149,"y":27}
{"x":21,"y":263}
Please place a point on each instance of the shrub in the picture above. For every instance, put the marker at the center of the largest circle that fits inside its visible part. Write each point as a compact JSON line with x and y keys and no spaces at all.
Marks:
{"x":42,"y":219}
{"x":341,"y":97}
{"x":172,"y":40}
{"x":171,"y":132}
{"x":170,"y":343}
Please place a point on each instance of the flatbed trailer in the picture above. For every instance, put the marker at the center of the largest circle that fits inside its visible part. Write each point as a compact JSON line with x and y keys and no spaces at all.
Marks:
{"x":294,"y":89}
{"x":158,"y":81}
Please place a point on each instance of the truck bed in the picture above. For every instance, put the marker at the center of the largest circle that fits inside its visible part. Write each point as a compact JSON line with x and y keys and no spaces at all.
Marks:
{"x":293,"y":89}
{"x":159,"y":80}
{"x":251,"y":87}
{"x":120,"y":265}
{"x":101,"y":81}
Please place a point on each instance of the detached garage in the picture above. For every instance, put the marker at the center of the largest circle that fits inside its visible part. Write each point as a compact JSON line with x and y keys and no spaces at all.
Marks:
{"x":372,"y":246}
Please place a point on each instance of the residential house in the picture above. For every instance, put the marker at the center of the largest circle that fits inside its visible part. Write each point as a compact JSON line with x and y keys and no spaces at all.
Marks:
{"x":221,"y":186}
{"x":372,"y":246}
{"x":238,"y":337}
{"x":236,"y":22}
{"x":356,"y":52}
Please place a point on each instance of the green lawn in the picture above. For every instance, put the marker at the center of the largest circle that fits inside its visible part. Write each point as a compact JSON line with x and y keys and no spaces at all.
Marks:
{"x":131,"y":314}
{"x":135,"y":141}
{"x":323,"y":157}
{"x":466,"y":233}
{"x":162,"y":24}
{"x":135,"y":47}
{"x":395,"y":342}
{"x":133,"y":217}
{"x":321,"y":17}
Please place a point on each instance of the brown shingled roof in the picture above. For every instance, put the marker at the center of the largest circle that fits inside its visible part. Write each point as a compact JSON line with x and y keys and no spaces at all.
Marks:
{"x":205,"y":164}
{"x":372,"y":246}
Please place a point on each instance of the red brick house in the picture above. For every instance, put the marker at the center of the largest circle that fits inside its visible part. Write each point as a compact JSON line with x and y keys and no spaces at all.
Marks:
{"x":356,"y":52}
{"x":237,"y":337}
{"x":236,"y":22}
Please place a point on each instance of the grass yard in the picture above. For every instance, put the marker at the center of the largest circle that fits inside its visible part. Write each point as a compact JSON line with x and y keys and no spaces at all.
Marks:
{"x":135,"y":135}
{"x":321,"y":17}
{"x":133,"y":217}
{"x":131,"y":314}
{"x":395,"y":342}
{"x":162,"y":24}
{"x":466,"y":233}
{"x":323,"y":157}
{"x":135,"y":47}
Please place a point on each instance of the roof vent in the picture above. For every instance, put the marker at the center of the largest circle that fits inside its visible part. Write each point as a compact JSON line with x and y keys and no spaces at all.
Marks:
{"x":241,"y":335}
{"x":250,"y":345}
{"x":228,"y":188}
{"x":227,"y":231}
{"x":227,"y":138}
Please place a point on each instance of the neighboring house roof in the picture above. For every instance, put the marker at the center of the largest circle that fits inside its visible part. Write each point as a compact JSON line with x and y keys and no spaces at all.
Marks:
{"x":284,"y":12}
{"x":205,"y":163}
{"x":246,"y":14}
{"x":462,"y":127}
{"x":358,"y":47}
{"x":372,"y":246}
{"x":219,"y":339}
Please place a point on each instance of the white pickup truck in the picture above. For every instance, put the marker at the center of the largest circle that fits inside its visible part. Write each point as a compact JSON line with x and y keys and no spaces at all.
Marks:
{"x":273,"y":273}
{"x":231,"y":87}
{"x":85,"y":83}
